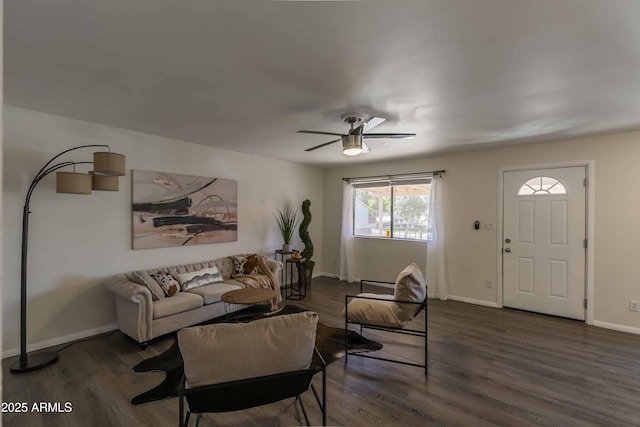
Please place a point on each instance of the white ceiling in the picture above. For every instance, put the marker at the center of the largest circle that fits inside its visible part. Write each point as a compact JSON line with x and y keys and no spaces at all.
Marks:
{"x":245,"y":75}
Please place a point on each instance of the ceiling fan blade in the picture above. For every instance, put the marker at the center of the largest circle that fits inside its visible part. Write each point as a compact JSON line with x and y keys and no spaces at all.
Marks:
{"x":315,"y":132}
{"x":389,"y":135}
{"x":370,"y":123}
{"x":365,"y":148}
{"x":323,"y":145}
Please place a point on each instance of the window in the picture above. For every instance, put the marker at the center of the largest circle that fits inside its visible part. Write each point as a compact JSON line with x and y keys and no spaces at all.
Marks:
{"x":542,"y":185}
{"x":397,"y":210}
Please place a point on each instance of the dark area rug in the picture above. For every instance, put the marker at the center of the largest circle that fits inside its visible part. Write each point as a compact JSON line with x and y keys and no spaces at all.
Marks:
{"x":329,"y":341}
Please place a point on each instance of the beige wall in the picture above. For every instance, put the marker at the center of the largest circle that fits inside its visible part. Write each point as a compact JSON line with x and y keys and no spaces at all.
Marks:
{"x":76,"y":241}
{"x":470,"y":193}
{"x":1,"y":142}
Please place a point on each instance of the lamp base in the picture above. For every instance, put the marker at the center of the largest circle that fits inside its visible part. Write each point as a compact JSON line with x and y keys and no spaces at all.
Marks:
{"x":34,"y":362}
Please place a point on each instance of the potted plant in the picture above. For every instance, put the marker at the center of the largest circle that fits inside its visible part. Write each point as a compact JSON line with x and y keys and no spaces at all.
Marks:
{"x":287,"y":220}
{"x":307,"y":252}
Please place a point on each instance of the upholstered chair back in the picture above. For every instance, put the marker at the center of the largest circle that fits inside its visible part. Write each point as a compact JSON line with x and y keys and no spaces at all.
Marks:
{"x":410,"y":286}
{"x":225,"y":352}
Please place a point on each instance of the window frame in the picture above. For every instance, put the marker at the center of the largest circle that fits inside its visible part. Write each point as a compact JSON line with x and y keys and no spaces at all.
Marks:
{"x":541,"y":191}
{"x":392,"y":184}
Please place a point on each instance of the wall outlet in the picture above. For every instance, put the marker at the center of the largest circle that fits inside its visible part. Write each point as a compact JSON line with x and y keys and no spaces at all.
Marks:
{"x":634,"y":306}
{"x":490,"y":284}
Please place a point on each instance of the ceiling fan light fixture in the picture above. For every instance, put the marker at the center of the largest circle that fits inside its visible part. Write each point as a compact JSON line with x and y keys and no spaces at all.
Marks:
{"x":351,"y":145}
{"x":353,"y":142}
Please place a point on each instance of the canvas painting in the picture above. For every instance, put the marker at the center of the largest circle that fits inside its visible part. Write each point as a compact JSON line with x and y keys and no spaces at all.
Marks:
{"x":179,"y":210}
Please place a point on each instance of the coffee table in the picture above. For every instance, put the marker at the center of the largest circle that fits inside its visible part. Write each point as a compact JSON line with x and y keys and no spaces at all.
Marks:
{"x":249,"y":296}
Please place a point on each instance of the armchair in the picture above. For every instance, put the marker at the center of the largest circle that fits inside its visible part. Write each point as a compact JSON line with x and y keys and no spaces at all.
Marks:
{"x":390,"y":313}
{"x":229,"y":367}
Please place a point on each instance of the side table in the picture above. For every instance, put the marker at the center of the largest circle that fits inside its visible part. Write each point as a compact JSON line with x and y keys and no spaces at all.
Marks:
{"x":299,"y":291}
{"x":286,"y":280}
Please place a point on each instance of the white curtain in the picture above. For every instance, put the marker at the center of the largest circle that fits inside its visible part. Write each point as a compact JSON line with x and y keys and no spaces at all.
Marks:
{"x":436,"y":275}
{"x":345,"y":263}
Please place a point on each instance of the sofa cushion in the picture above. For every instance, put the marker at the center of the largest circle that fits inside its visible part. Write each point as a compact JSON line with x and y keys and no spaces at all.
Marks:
{"x":167,"y":282}
{"x":245,"y":264}
{"x":211,"y":293}
{"x":143,"y":278}
{"x":224,"y":352}
{"x":180,"y":302}
{"x":410,"y":286}
{"x":196,"y":279}
{"x":374,"y":312}
{"x":225,"y":266}
{"x":235,"y":282}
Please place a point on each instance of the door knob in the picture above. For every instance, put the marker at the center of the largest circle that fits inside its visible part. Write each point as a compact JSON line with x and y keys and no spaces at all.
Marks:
{"x":507,"y":250}
{"x":507,"y":240}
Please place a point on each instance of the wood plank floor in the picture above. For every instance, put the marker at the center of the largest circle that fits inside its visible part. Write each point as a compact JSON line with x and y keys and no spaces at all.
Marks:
{"x":487,"y":366}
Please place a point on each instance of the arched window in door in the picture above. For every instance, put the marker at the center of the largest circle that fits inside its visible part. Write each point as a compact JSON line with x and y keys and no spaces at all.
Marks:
{"x":542,"y":185}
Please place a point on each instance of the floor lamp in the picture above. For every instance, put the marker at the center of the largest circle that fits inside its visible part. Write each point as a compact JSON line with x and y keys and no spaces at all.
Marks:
{"x":107,"y":167}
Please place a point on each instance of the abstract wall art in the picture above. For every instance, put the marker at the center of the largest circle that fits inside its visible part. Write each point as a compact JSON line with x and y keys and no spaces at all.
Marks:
{"x":178,"y":210}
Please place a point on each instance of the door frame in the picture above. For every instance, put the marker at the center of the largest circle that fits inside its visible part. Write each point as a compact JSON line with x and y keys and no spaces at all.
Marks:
{"x":589,"y":166}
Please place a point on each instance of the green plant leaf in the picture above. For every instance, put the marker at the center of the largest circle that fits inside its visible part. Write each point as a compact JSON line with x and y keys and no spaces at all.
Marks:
{"x":287,"y":220}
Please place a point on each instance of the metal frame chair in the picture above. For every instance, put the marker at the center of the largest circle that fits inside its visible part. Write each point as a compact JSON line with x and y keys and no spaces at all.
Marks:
{"x":400,"y":330}
{"x":252,"y":392}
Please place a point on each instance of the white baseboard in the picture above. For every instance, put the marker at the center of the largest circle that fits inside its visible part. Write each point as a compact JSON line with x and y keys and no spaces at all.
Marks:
{"x":357,"y":280}
{"x":613,"y":326}
{"x":474,"y":301}
{"x":333,"y":276}
{"x":60,"y":340}
{"x":616,"y":327}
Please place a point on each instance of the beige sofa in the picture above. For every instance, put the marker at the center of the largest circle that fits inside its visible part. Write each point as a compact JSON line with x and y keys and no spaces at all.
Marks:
{"x":144,"y":319}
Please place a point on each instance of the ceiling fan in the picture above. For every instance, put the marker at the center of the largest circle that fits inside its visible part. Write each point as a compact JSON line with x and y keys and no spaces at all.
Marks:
{"x":352,"y":142}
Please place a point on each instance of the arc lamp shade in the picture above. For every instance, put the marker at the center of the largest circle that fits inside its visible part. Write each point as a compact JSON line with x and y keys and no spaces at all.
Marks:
{"x":73,"y":183}
{"x":106,"y":163}
{"x":104,"y":182}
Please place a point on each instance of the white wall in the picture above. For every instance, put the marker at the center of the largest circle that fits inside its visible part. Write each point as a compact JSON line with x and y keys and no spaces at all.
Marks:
{"x":76,"y":241}
{"x":470,"y":193}
{"x":1,"y":143}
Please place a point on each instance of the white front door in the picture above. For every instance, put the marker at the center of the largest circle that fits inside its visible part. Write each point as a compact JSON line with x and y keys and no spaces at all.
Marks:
{"x":544,"y":237}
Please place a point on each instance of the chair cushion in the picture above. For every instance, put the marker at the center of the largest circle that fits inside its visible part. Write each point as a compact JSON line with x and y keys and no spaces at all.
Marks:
{"x":226,"y":352}
{"x":213,"y":293}
{"x":410,"y":286}
{"x":182,"y":301}
{"x":374,"y":312}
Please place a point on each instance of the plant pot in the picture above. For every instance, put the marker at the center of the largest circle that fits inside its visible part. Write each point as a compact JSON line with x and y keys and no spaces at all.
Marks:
{"x":286,"y":247}
{"x":304,"y":269}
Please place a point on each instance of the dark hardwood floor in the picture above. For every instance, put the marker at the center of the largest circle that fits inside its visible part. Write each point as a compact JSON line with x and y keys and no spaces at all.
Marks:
{"x":487,"y":366}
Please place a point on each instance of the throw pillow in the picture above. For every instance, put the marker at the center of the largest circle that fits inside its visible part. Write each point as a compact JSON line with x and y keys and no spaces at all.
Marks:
{"x":195,"y":279}
{"x":410,"y":286}
{"x":143,"y":278}
{"x":169,"y":284}
{"x":245,"y":264}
